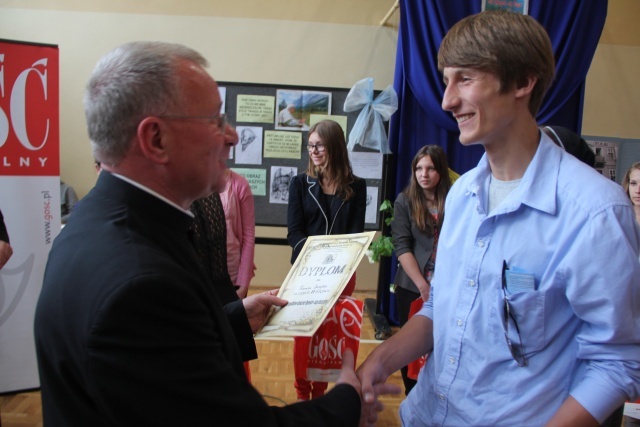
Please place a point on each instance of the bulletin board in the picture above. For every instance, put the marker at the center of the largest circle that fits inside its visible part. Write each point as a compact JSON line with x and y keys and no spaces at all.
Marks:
{"x":272,"y":145}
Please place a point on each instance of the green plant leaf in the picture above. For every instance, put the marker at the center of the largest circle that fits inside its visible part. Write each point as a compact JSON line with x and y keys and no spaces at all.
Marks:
{"x":386,"y":206}
{"x":383,"y":246}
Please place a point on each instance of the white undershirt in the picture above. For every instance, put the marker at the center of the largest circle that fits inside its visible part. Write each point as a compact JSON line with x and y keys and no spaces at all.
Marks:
{"x":499,"y":190}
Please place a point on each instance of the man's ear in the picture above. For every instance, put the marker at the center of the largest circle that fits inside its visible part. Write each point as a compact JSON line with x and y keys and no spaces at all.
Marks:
{"x":152,"y":134}
{"x":527,"y":88}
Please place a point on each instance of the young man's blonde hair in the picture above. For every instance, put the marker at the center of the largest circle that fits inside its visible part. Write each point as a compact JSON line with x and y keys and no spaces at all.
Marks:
{"x":512,"y":46}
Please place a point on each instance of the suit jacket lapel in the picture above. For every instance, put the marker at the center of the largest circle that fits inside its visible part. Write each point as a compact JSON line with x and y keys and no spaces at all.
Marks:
{"x":315,"y":191}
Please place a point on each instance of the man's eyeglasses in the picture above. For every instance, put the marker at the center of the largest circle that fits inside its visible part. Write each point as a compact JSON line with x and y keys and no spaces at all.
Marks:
{"x":518,"y":354}
{"x":319,"y":147}
{"x":220,"y":120}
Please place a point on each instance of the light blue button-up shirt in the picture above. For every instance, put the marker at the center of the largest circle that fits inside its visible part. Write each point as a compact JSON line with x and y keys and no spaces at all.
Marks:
{"x":575,"y":231}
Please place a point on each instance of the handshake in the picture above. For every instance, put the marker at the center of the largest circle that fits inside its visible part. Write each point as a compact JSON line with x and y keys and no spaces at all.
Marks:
{"x":368,"y":380}
{"x":368,"y":387}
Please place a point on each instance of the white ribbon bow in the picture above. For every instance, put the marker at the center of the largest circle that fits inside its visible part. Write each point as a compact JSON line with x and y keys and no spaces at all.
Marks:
{"x":368,"y":131}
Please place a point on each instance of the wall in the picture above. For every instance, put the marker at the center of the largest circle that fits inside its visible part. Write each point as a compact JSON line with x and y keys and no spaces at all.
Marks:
{"x":612,"y":97}
{"x":313,"y":42}
{"x":331,"y":54}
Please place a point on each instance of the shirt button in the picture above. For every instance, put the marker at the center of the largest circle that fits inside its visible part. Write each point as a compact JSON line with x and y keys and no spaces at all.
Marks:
{"x":480,"y":244}
{"x":459,"y":322}
{"x":441,"y":396}
{"x":471,"y":282}
{"x":452,"y":360}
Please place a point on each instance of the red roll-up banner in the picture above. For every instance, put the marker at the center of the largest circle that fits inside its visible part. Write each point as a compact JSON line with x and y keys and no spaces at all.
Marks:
{"x":29,"y":196}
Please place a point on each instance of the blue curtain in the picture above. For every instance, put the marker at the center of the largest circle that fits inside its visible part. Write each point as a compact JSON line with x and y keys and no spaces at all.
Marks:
{"x":574,"y":27}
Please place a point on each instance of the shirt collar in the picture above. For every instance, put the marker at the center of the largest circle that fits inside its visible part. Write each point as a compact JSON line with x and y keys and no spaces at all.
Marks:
{"x":153,"y":193}
{"x":538,"y":187}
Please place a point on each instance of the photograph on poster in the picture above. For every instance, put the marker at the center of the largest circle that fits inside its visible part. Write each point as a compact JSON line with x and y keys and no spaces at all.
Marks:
{"x":295,"y":107}
{"x":280,"y":178}
{"x":223,"y":97}
{"x":249,"y":147}
{"x":371,"y":213}
{"x":518,"y":6}
{"x":606,"y":157}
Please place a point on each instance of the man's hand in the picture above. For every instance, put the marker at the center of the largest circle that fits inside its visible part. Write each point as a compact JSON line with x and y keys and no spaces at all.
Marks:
{"x":258,"y":306}
{"x":5,"y":253}
{"x":348,"y":373}
{"x":373,"y":384}
{"x":242,"y":292}
{"x":425,"y":291}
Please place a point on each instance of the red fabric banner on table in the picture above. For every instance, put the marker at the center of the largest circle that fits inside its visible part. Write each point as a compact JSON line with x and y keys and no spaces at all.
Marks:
{"x":319,"y":358}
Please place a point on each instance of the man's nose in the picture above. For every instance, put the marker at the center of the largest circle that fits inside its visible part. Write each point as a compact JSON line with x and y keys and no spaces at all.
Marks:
{"x":230,"y":135}
{"x":450,"y":98}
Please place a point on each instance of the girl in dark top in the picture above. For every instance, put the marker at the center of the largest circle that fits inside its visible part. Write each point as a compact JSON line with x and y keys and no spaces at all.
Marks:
{"x":418,"y":216}
{"x":326,"y":199}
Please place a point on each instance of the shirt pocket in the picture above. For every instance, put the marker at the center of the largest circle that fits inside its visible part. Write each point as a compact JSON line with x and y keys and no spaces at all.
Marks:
{"x":528,"y":308}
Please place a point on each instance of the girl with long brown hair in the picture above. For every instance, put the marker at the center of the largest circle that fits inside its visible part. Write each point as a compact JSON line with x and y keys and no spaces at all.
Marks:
{"x":327,"y":199}
{"x":417,"y":219}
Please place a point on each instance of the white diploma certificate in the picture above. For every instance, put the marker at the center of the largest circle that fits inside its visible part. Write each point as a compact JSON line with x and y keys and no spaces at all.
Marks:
{"x":314,"y":283}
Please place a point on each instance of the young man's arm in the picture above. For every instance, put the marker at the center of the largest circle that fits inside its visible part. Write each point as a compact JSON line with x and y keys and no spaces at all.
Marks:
{"x":572,"y":414}
{"x":415,"y":339}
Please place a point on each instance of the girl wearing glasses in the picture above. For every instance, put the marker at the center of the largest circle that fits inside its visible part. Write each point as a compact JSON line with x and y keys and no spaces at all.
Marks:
{"x":326,"y":199}
{"x":417,"y":218}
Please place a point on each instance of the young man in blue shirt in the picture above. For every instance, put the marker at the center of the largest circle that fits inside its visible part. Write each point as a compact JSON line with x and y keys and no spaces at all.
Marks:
{"x":531,"y":320}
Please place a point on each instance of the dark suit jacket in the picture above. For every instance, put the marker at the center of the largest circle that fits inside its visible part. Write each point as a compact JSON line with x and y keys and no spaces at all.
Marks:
{"x":129,"y":333}
{"x":306,"y":215}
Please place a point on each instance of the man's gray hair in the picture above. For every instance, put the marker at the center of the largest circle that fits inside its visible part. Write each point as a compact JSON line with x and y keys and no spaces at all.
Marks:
{"x":133,"y":81}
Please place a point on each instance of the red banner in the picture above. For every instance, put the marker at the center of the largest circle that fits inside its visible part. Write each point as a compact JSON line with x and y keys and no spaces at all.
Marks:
{"x":29,"y":110}
{"x":29,"y":197}
{"x":319,"y":358}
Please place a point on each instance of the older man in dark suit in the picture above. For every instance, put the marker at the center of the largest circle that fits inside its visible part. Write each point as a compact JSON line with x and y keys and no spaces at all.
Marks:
{"x":128,"y":331}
